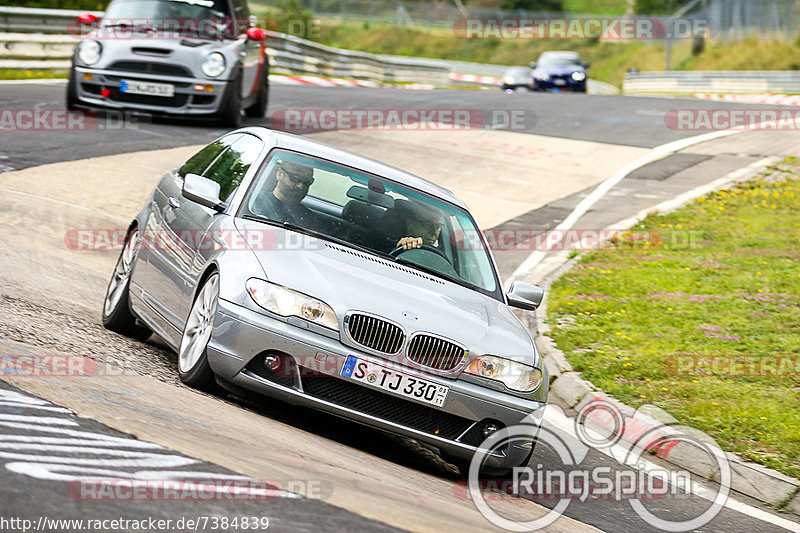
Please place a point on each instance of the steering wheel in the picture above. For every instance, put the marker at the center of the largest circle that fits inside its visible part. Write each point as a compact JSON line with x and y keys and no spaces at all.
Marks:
{"x":427,"y":247}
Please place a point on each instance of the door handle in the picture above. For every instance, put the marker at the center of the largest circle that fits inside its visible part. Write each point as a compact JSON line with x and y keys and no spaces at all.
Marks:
{"x":174,"y":202}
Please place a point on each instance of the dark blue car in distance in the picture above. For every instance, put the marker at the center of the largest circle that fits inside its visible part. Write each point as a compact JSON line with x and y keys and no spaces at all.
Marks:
{"x":559,"y":71}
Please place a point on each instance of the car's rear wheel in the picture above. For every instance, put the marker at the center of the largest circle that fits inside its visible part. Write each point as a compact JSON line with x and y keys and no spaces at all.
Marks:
{"x":193,"y":367}
{"x":117,"y":315}
{"x":259,"y":108}
{"x":230,"y":114}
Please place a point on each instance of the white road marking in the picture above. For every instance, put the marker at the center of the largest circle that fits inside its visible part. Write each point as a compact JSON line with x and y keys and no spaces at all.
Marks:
{"x":601,"y":190}
{"x":68,"y":204}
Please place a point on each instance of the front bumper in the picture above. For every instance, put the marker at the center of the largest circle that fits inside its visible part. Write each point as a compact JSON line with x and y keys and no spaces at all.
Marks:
{"x":566,"y":84}
{"x":186,"y":100}
{"x":241,"y":337}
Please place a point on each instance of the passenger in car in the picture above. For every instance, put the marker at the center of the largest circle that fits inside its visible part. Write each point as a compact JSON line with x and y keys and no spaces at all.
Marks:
{"x":282,"y":203}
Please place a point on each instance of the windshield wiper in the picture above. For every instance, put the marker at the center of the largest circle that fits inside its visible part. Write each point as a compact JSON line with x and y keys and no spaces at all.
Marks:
{"x":430,"y":270}
{"x":124,"y":25}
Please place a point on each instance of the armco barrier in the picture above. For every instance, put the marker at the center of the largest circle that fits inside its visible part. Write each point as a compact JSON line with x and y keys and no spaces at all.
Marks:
{"x":717,"y":81}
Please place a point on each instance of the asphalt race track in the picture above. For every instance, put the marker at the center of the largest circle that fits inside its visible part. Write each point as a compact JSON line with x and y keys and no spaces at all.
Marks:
{"x":301,"y":470}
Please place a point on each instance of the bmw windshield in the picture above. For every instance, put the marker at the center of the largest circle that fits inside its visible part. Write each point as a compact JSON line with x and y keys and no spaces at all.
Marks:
{"x":373,"y":214}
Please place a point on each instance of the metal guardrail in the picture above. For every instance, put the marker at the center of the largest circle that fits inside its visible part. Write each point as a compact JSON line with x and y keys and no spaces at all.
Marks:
{"x":718,"y":81}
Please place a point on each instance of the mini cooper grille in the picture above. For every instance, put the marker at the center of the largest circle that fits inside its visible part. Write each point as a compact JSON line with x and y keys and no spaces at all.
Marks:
{"x":372,"y":402}
{"x":434,"y":352}
{"x":375,"y":333}
{"x":151,"y":68}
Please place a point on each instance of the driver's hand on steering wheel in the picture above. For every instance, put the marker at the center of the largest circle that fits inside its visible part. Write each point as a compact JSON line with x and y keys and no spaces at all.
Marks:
{"x":409,"y":243}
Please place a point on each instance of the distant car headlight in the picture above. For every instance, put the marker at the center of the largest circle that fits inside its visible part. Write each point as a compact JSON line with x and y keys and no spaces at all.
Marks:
{"x":213,"y":65}
{"x":89,"y":52}
{"x":515,"y":376}
{"x":508,"y":80}
{"x":286,"y":302}
{"x":542,"y":76}
{"x":578,"y":76}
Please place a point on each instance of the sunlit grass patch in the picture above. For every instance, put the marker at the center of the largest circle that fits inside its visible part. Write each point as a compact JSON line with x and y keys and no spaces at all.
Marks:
{"x":704,"y":321}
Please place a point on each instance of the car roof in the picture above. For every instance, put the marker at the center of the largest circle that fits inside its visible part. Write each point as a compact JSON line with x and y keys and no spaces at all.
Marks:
{"x":559,"y":53}
{"x":326,"y":151}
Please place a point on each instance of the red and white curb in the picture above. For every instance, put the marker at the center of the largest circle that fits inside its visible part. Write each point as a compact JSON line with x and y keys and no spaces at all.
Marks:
{"x":316,"y":81}
{"x":320,"y":82}
{"x":476,"y":78}
{"x":777,"y":99}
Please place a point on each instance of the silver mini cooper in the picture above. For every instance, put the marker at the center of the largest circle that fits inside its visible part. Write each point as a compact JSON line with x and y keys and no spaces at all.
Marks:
{"x":192,"y":58}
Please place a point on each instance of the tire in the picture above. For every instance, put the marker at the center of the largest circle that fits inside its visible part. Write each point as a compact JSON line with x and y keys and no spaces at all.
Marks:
{"x":230,"y":115}
{"x":193,"y":367}
{"x":72,"y":91}
{"x":259,"y":107}
{"x":117,"y":315}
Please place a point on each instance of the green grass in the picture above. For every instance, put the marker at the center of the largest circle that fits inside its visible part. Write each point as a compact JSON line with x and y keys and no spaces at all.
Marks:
{"x":19,"y":74}
{"x":660,"y":323}
{"x":596,"y":7}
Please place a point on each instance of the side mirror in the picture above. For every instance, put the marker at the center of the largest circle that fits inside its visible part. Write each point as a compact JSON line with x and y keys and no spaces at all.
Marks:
{"x":532,"y":64}
{"x":525,"y":295}
{"x":587,"y":65}
{"x":256,"y":34}
{"x":87,"y":18}
{"x":202,"y":191}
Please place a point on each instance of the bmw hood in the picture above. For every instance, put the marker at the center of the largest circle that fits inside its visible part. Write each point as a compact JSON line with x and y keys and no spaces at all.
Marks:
{"x":562,"y":71}
{"x":350,"y":280}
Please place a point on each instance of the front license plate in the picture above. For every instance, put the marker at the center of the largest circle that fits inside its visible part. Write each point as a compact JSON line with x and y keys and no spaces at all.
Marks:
{"x":559,"y":82}
{"x":396,"y":382}
{"x":145,"y":87}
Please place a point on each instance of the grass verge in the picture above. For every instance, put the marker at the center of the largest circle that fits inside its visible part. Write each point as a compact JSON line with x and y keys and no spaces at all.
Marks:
{"x":19,"y":74}
{"x":704,"y":321}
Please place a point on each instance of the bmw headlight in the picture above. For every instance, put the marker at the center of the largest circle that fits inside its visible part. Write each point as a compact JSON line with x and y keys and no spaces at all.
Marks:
{"x":89,"y":52}
{"x":578,"y":76}
{"x":515,"y":376}
{"x":542,"y":76}
{"x":213,"y":65}
{"x":286,"y":302}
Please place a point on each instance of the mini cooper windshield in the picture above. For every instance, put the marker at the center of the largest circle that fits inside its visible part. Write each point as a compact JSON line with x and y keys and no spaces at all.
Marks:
{"x":373,"y":214}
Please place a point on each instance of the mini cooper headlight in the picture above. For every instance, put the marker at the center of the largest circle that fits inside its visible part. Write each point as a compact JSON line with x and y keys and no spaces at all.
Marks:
{"x":515,"y":376}
{"x":286,"y":302}
{"x":89,"y":52}
{"x":578,"y":76}
{"x":213,"y":65}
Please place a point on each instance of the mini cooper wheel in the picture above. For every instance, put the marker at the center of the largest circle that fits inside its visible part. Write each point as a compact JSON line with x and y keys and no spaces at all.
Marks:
{"x":259,"y":107}
{"x":117,"y":315}
{"x":193,"y":367}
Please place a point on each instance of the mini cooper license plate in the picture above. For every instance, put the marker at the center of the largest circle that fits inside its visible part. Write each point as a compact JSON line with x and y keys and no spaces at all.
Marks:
{"x":145,"y":87}
{"x":396,"y":382}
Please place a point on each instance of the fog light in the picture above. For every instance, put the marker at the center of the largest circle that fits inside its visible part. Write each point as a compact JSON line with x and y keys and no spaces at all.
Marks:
{"x":209,"y":88}
{"x":87,"y":76}
{"x":273,"y":362}
{"x":489,"y":428}
{"x":105,"y":93}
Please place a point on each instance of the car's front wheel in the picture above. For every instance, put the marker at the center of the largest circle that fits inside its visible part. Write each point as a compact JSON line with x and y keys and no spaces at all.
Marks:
{"x":117,"y":315}
{"x":72,"y":91}
{"x":259,"y":107}
{"x":193,"y":367}
{"x":230,"y":114}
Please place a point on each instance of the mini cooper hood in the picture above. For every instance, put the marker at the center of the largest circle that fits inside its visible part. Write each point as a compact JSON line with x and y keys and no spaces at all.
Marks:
{"x":351,"y":280}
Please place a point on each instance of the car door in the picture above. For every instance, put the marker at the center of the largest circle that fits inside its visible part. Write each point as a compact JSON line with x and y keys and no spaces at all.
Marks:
{"x":173,"y":236}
